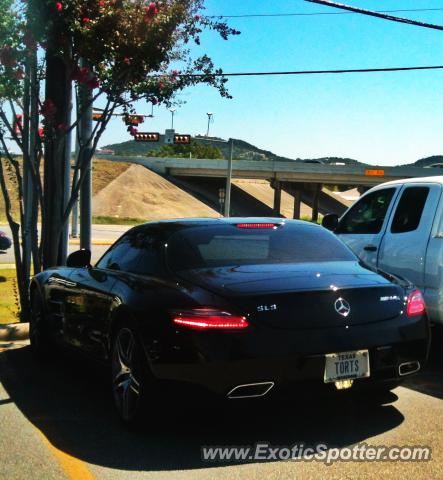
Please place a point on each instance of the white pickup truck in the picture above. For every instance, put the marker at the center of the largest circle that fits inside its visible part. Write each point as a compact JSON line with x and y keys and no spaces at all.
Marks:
{"x":398,"y":227}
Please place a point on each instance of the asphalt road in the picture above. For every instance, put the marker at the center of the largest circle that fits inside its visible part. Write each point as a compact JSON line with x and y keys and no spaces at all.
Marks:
{"x":102,"y":235}
{"x":57,"y":422}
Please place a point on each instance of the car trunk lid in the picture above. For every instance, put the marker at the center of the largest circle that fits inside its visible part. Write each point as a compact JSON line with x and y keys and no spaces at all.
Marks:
{"x":300,"y":296}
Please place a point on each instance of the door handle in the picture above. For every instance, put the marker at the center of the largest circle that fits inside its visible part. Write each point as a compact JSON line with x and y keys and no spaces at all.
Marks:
{"x":370,"y":248}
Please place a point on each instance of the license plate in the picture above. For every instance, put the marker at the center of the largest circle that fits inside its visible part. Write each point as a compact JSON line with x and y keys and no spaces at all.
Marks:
{"x":346,"y":366}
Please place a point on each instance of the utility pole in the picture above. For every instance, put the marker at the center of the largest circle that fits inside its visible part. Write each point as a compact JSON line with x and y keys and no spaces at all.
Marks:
{"x":172,"y":110}
{"x":86,"y":162}
{"x":227,"y":193}
{"x":229,"y":180}
{"x":74,"y":226}
{"x":210,"y":116}
{"x":32,"y":200}
{"x":27,"y":181}
{"x":64,"y":238}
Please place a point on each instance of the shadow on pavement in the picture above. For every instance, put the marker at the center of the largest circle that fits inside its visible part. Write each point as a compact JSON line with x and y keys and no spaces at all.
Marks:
{"x":430,"y":379}
{"x":71,"y":404}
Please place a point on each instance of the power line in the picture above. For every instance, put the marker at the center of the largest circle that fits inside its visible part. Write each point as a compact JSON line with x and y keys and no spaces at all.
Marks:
{"x":376,"y":14}
{"x":313,"y":14}
{"x":314,"y":72}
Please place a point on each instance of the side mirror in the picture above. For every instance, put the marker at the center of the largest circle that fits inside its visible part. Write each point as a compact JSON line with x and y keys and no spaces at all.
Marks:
{"x":330,"y":221}
{"x":79,"y":259}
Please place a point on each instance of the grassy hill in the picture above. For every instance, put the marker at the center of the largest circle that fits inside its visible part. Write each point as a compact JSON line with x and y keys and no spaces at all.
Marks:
{"x":426,"y":162}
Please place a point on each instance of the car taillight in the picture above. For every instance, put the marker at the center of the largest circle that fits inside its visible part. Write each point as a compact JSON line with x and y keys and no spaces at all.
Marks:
{"x":416,"y":304}
{"x":258,"y":225}
{"x":209,"y":319}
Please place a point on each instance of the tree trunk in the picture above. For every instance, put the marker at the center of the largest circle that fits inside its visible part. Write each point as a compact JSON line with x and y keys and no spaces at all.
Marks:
{"x":59,"y":91}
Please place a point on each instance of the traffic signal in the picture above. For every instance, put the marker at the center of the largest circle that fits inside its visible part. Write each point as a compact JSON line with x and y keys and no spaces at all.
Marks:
{"x":133,"y":120}
{"x":182,"y":139}
{"x":146,"y":137}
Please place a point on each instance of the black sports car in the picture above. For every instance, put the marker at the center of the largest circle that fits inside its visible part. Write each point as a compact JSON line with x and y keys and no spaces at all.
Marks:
{"x":240,"y":307}
{"x":5,"y":241}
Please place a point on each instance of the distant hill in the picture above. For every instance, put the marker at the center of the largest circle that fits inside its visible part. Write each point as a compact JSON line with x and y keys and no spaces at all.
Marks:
{"x":242,"y":150}
{"x":425,"y":162}
{"x":334,"y":160}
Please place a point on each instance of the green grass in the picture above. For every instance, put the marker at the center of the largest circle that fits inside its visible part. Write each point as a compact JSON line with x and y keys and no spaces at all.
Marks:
{"x":117,"y":221}
{"x":307,"y":218}
{"x":8,"y":296}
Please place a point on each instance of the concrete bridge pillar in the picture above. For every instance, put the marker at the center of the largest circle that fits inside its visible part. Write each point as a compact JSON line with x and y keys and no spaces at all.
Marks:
{"x":277,"y":197}
{"x":297,"y":203}
{"x":315,"y":201}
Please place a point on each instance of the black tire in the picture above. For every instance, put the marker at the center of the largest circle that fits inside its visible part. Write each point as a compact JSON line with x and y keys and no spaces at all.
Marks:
{"x":39,"y":336}
{"x":132,"y":381}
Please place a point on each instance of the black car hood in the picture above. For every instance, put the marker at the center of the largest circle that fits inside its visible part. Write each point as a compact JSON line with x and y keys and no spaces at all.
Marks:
{"x":278,"y":278}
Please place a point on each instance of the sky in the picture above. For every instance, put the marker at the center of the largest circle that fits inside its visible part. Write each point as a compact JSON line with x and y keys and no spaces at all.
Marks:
{"x":379,"y":118}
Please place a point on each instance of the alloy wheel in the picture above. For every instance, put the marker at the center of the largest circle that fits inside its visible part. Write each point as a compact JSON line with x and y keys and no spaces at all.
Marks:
{"x":126,"y":386}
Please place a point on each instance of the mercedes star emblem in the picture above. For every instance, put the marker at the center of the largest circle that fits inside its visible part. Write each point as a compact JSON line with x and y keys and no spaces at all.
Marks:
{"x":342,"y":307}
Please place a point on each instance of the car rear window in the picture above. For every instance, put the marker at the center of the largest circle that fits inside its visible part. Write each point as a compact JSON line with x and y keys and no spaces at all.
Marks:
{"x":225,"y":245}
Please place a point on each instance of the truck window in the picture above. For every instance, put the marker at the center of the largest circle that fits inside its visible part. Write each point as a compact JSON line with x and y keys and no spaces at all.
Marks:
{"x":409,"y":210}
{"x":368,"y":214}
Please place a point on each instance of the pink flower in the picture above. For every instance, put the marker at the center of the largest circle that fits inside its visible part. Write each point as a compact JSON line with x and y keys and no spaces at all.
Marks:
{"x":19,"y":74}
{"x":151,"y":10}
{"x":29,"y":40}
{"x":7,"y":56}
{"x":93,"y":83}
{"x":82,"y":75}
{"x":48,"y":109}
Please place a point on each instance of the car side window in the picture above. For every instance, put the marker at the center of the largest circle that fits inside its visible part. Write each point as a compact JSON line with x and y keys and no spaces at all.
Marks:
{"x":137,"y":252}
{"x":113,"y":258}
{"x":144,"y":254}
{"x":368,"y":214}
{"x":409,"y":210}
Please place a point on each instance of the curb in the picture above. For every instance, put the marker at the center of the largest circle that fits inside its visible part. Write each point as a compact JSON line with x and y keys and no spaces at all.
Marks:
{"x":14,"y":331}
{"x":94,"y":242}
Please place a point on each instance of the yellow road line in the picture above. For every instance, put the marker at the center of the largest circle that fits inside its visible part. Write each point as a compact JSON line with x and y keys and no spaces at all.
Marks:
{"x":74,"y":468}
{"x":94,"y":242}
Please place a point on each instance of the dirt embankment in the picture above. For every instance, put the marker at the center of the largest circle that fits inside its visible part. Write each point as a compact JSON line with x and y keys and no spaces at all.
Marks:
{"x":140,"y":193}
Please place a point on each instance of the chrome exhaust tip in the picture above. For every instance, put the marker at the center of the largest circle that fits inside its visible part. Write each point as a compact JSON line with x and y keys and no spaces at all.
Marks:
{"x":408,"y":368}
{"x":250,"y":390}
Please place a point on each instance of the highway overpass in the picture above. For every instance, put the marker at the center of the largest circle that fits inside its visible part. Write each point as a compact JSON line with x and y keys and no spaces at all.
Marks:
{"x":302,"y":180}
